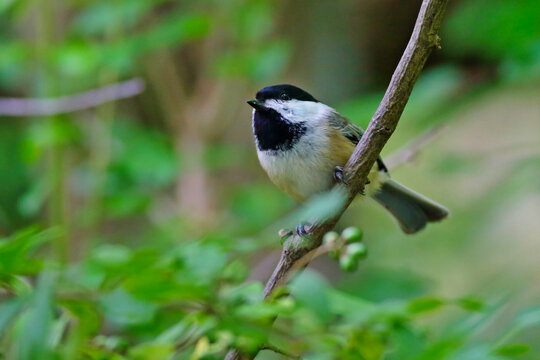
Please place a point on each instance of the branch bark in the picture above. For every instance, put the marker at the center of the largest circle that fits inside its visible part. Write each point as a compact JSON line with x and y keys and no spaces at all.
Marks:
{"x":383,"y":123}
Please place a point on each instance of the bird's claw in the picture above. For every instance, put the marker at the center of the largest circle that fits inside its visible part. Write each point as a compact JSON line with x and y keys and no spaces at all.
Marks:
{"x":301,"y":230}
{"x":338,"y":175}
{"x":340,"y":179}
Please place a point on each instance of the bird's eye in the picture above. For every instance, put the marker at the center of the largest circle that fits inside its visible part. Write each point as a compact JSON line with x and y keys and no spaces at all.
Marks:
{"x":284,"y":97}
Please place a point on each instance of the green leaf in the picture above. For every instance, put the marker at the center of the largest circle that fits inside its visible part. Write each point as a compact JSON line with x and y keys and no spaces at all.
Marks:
{"x":425,"y":304}
{"x":86,"y":312}
{"x":235,"y":272}
{"x":16,"y":250}
{"x":321,"y":206}
{"x":8,"y":311}
{"x":471,"y":304}
{"x":261,"y":64}
{"x":111,"y":255}
{"x":98,"y":16}
{"x":204,"y":262}
{"x":38,"y":321}
{"x":122,"y":308}
{"x":152,"y":351}
{"x":173,"y":30}
{"x":146,"y":157}
{"x":310,"y":289}
{"x":513,"y":350}
{"x":508,"y":28}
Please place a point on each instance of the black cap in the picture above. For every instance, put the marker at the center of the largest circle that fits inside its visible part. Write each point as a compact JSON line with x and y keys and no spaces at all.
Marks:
{"x":284,"y":92}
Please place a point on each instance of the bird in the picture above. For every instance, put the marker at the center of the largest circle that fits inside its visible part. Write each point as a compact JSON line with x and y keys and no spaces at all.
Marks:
{"x":303,"y":145}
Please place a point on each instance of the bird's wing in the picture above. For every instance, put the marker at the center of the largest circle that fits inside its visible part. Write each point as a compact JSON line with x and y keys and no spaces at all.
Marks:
{"x":352,"y":132}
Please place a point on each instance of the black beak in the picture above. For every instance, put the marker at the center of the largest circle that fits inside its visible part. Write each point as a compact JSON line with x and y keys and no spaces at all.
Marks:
{"x":256,"y":104}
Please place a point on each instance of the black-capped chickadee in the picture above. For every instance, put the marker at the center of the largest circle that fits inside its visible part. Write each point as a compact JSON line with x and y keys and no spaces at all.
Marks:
{"x":303,"y":144}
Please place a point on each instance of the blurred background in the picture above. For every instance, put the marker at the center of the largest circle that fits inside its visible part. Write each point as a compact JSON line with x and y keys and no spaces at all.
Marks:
{"x":136,"y":222}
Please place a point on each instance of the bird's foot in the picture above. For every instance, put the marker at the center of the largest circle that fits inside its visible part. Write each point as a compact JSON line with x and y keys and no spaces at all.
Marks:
{"x":301,"y":230}
{"x":363,"y":191}
{"x":340,"y":178}
{"x":338,"y":175}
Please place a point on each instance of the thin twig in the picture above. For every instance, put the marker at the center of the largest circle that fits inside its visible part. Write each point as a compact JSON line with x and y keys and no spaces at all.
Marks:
{"x":71,"y":103}
{"x":423,"y":41}
{"x":411,"y":150}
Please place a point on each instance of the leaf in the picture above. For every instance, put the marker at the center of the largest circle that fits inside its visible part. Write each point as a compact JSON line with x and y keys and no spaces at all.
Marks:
{"x":235,"y":272}
{"x":471,"y":304}
{"x":321,"y":206}
{"x":201,"y":348}
{"x":513,"y":350}
{"x":204,"y":262}
{"x":172,"y":334}
{"x":475,"y":352}
{"x":143,"y":157}
{"x":262,"y":63}
{"x":86,"y":312}
{"x":310,"y":290}
{"x":352,"y":308}
{"x":423,"y":305}
{"x":152,"y":351}
{"x":122,"y":308}
{"x":250,"y":292}
{"x":97,"y":17}
{"x":8,"y":311}
{"x":111,"y":255}
{"x":508,"y":29}
{"x":173,"y":30}
{"x":16,"y":250}
{"x":244,"y":199}
{"x":38,"y":320}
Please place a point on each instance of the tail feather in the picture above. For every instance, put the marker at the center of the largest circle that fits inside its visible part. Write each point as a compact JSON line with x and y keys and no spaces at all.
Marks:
{"x":411,"y":209}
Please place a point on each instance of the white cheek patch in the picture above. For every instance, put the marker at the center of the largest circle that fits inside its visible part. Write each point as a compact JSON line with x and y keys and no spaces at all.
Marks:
{"x":297,"y":111}
{"x":279,"y":106}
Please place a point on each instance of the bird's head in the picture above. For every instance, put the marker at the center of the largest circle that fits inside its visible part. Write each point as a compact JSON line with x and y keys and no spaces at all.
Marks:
{"x":286,"y":102}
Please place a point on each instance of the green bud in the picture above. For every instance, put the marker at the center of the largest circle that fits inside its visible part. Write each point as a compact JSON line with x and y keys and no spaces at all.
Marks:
{"x":348,"y":263}
{"x":249,"y":345}
{"x":330,"y":238}
{"x":357,"y":251}
{"x":235,"y":272}
{"x":352,"y":234}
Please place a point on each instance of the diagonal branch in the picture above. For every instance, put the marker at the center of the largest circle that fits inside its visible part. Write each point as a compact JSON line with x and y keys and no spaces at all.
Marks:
{"x":422,"y":42}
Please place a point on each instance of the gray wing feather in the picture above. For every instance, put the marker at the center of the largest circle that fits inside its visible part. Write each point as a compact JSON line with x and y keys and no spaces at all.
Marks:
{"x":352,"y":132}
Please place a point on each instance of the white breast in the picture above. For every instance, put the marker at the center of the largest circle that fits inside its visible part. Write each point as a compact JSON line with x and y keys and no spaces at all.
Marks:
{"x":303,"y":170}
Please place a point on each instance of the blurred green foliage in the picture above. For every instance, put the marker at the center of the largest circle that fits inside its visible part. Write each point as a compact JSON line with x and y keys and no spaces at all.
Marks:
{"x":104,"y":255}
{"x":191,"y":299}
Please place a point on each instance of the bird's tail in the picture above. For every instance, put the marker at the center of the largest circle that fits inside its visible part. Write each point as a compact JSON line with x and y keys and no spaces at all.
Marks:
{"x":411,"y":209}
